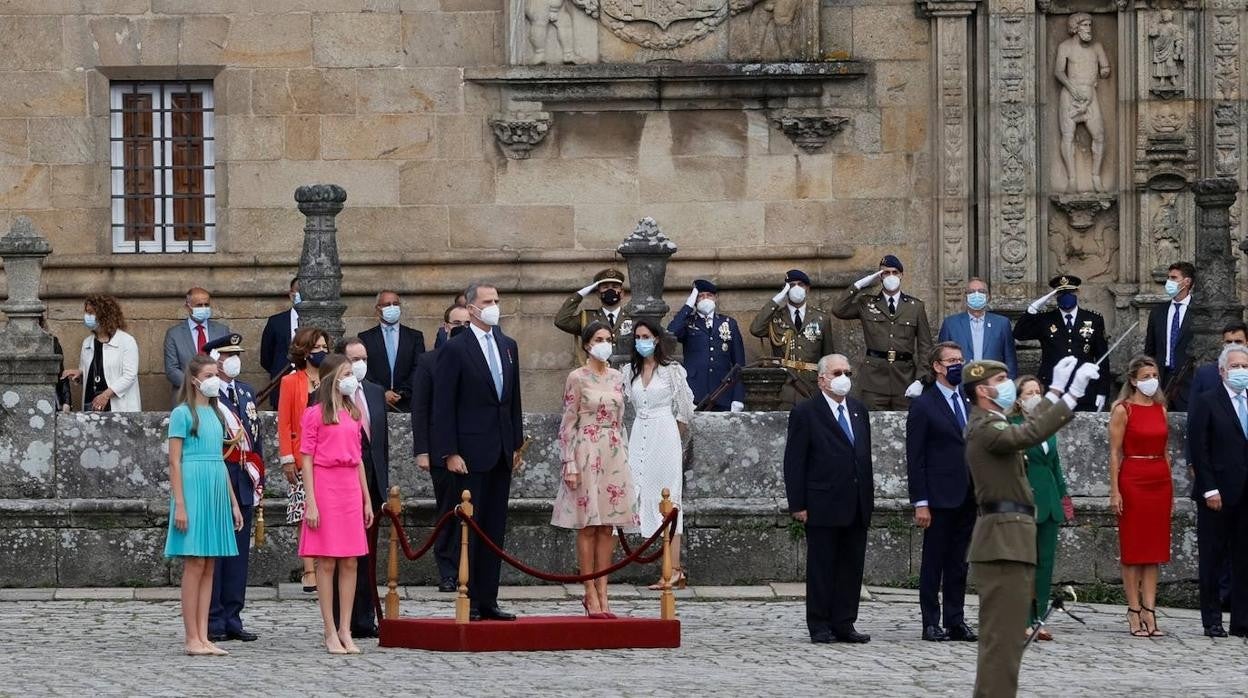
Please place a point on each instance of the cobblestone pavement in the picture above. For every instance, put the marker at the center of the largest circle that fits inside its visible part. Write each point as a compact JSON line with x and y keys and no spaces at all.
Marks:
{"x":747,"y":641}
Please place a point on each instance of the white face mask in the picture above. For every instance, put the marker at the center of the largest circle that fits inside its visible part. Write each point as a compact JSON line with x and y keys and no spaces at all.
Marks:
{"x":892,"y":283}
{"x":1148,"y":387}
{"x":210,"y":387}
{"x":490,"y":315}
{"x":601,"y":351}
{"x":1030,"y":403}
{"x":797,"y":295}
{"x":347,"y":386}
{"x":359,"y":369}
{"x":232,"y":365}
{"x":840,"y":385}
{"x":706,"y":306}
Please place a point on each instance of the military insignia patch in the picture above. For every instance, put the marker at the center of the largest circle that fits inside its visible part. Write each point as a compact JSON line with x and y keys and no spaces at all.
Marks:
{"x":725,"y":332}
{"x":1052,"y":329}
{"x":999,"y":426}
{"x":251,"y":411}
{"x":626,"y":327}
{"x":811,"y":331}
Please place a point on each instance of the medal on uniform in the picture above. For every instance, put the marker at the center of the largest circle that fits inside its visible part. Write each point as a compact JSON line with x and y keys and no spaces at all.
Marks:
{"x":1087,"y":349}
{"x":626,"y":327}
{"x":723,"y":347}
{"x":1052,"y":329}
{"x":1086,"y":331}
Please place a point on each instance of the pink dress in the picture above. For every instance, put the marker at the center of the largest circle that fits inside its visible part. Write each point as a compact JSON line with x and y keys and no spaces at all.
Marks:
{"x":336,"y":453}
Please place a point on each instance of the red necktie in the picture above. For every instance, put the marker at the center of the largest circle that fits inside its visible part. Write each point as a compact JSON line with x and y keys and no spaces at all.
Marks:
{"x":201,"y":338}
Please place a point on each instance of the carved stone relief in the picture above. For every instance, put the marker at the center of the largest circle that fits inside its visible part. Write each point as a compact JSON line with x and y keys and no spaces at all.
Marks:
{"x":518,"y":133}
{"x":1166,"y":234}
{"x":1167,"y":52}
{"x":810,"y":132}
{"x":776,"y":30}
{"x":1089,"y":252}
{"x":1081,"y":65}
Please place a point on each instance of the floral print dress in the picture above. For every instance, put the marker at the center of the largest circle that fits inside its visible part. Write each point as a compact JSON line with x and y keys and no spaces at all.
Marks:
{"x":591,"y":443}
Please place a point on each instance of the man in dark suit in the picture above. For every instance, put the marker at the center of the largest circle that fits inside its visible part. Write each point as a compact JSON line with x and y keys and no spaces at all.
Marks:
{"x":940,"y":489}
{"x":188,"y":337}
{"x":1067,"y":330}
{"x":981,"y":334}
{"x":392,"y":352}
{"x":1218,"y":449}
{"x":1169,"y":333}
{"x":828,"y":481}
{"x":477,"y":432}
{"x":712,"y":345}
{"x":279,"y":329}
{"x":244,"y":462}
{"x":371,"y":400}
{"x":446,"y":550}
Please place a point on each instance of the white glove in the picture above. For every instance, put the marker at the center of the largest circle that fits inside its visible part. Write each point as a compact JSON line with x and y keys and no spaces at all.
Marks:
{"x":1100,"y":402}
{"x":779,"y":297}
{"x":736,"y":406}
{"x":915,"y":389}
{"x":1086,"y":374}
{"x":584,"y":293}
{"x":1062,"y":372}
{"x":692,"y":300}
{"x":1038,"y":304}
{"x":867,"y":280}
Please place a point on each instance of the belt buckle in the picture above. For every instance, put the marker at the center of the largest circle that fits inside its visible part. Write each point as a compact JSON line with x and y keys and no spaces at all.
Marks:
{"x":892,"y":356}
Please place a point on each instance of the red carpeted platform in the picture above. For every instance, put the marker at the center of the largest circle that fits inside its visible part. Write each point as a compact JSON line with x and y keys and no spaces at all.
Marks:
{"x":529,"y":633}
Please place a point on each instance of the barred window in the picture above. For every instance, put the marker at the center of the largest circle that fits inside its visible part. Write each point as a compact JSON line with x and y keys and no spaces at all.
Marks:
{"x":162,"y":153}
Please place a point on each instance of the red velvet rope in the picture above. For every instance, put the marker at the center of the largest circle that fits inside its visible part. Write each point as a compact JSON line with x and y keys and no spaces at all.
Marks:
{"x":433,"y":536}
{"x":646,"y":559}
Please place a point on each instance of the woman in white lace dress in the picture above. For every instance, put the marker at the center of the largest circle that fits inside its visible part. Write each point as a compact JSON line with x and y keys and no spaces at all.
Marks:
{"x":662,"y":402}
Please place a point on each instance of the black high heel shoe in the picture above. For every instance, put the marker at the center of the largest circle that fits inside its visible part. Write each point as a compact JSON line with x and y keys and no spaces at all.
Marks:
{"x":1153,"y":630}
{"x":1141,"y":631}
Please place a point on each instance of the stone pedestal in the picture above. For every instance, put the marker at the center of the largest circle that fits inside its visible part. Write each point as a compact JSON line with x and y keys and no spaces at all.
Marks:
{"x":1217,"y":304}
{"x":646,"y":252}
{"x":762,"y":387}
{"x":320,"y":270}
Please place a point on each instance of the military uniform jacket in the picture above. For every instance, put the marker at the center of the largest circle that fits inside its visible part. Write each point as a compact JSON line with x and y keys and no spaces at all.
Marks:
{"x":711,"y":350}
{"x":994,"y":449}
{"x":572,"y":319}
{"x":907,"y":331}
{"x":245,"y":409}
{"x":1087,"y":343}
{"x":774,"y":323}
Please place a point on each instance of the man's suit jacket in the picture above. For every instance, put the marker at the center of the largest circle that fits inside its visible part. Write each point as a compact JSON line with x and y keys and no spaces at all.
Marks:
{"x":1155,"y":346}
{"x":275,"y":343}
{"x":411,"y":344}
{"x":1205,"y":378}
{"x":998,"y":339}
{"x":180,"y":347}
{"x":936,"y":451}
{"x":469,"y":419}
{"x":376,"y":443}
{"x":1087,"y":343}
{"x":708,"y":355}
{"x":1217,"y":449}
{"x":422,"y":405}
{"x":244,"y":407}
{"x":824,"y":474}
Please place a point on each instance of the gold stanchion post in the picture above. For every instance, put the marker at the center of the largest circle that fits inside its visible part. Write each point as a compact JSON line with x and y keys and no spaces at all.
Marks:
{"x":667,"y":600}
{"x":394,"y":504}
{"x":461,"y":601}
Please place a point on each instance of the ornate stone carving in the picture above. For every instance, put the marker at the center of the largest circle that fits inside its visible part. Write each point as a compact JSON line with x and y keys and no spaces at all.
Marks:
{"x":1079,"y":64}
{"x":1081,"y":209}
{"x":552,"y":21}
{"x":663,"y":24}
{"x":779,"y":29}
{"x":1226,"y":108}
{"x":320,"y":269}
{"x":1166,"y":234}
{"x":26,"y":353}
{"x":1217,"y":304}
{"x":517,"y":134}
{"x":646,"y":251}
{"x":1167,"y":52}
{"x":1011,"y":150}
{"x":1088,"y":244}
{"x":1165,"y":157}
{"x":810,"y":132}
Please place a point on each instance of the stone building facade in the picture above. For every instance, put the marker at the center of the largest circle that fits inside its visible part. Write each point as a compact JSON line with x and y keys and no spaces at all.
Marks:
{"x":521,"y":140}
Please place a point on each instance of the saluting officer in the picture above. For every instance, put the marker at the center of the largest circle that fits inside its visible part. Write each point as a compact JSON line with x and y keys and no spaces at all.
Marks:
{"x":895,"y":331}
{"x":798,"y":335}
{"x":1003,"y":543}
{"x":609,"y":283}
{"x":712,"y":345}
{"x":244,"y":463}
{"x":1067,"y":330}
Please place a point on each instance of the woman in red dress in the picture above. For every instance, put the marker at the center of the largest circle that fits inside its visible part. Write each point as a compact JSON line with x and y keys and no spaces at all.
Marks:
{"x":1140,"y":490}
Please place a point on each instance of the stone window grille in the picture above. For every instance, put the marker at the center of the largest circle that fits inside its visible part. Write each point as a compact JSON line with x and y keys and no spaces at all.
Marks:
{"x":163,"y":155}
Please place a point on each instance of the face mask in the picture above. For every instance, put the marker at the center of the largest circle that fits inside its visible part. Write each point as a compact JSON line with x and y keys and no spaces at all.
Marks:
{"x":892,"y":283}
{"x":316,"y":357}
{"x":610,"y":297}
{"x":706,"y":306}
{"x":456,"y":330}
{"x":390,"y":314}
{"x":1030,"y":403}
{"x":297,"y":299}
{"x":490,"y":315}
{"x":840,"y":385}
{"x":359,"y":369}
{"x":347,"y":386}
{"x":1172,"y":288}
{"x":644,"y":347}
{"x":953,"y":374}
{"x":201,"y":315}
{"x":1148,"y":387}
{"x":1067,"y":300}
{"x":601,"y":351}
{"x":1006,"y":392}
{"x":232,"y":365}
{"x":88,"y":319}
{"x":797,"y":295}
{"x":210,"y":387}
{"x":1237,"y":378}
{"x":977,"y":300}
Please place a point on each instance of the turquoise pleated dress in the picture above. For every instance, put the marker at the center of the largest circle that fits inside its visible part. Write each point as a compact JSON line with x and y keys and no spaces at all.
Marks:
{"x":205,"y":488}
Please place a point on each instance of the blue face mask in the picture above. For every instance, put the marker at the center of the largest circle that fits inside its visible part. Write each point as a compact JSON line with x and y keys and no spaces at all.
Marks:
{"x":645,"y":347}
{"x":89,"y":320}
{"x":297,"y":299}
{"x":1237,"y":378}
{"x":1067,"y":300}
{"x":1006,"y":395}
{"x":977,"y":300}
{"x":953,"y":374}
{"x":316,"y":357}
{"x":390,"y":314}
{"x":201,"y":315}
{"x":1172,"y":288}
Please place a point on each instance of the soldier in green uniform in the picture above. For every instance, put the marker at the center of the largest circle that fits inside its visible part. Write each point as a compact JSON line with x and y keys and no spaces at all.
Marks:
{"x":1003,"y":544}
{"x":797,"y":334}
{"x":609,"y":284}
{"x":895,"y":331}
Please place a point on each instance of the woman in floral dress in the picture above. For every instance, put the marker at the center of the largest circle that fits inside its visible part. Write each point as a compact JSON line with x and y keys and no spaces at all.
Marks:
{"x":597,"y":492}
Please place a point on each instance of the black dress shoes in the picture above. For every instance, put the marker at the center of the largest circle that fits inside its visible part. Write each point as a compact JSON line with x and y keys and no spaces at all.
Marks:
{"x":494,"y":613}
{"x":218,"y":637}
{"x":368,"y":632}
{"x":822,"y":638}
{"x":1215,"y":631}
{"x":933,"y":633}
{"x":962,"y":632}
{"x":448,"y":584}
{"x":241,"y":635}
{"x":851,"y":636}
{"x":474,"y":615}
{"x":1239,"y":632}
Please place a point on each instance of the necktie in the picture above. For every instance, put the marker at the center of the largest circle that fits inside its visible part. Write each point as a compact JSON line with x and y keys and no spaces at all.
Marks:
{"x":1174,"y":334}
{"x":956,"y":401}
{"x":797,"y":320}
{"x":392,"y":349}
{"x":1070,"y":323}
{"x":1243,"y":413}
{"x":840,"y":418}
{"x":496,"y":371}
{"x":892,"y":306}
{"x":229,"y":392}
{"x":363,"y":407}
{"x":611,"y":320}
{"x":201,"y":338}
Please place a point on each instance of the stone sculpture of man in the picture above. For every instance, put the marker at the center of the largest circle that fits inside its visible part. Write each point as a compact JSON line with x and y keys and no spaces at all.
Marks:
{"x":1167,"y":50}
{"x":541,"y":15}
{"x":1080,"y":63}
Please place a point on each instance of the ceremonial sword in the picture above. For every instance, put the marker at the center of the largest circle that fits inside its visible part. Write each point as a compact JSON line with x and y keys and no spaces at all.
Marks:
{"x":1058,"y":604}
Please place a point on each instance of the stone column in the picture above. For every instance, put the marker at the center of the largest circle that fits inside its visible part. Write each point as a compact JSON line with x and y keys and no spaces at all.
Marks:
{"x":646,"y":252}
{"x":320,"y":270}
{"x":1226,"y":135}
{"x":953,"y":54}
{"x":1217,"y":303}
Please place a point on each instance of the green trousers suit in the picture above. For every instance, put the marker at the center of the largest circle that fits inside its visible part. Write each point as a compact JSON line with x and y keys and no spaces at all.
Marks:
{"x":1044,"y":472}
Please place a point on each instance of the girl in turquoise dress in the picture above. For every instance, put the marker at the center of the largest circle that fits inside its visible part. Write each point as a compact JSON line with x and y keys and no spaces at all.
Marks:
{"x":203,"y":513}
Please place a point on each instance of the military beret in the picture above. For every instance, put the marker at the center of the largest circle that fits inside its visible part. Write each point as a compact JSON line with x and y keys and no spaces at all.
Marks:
{"x":1065,"y":282}
{"x":981,"y":370}
{"x":229,"y":344}
{"x":610,"y":275}
{"x":891,"y":261}
{"x":704,"y":286}
{"x":796,"y":275}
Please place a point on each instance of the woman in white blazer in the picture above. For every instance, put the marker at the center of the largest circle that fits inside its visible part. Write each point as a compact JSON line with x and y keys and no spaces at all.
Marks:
{"x":110,"y":378}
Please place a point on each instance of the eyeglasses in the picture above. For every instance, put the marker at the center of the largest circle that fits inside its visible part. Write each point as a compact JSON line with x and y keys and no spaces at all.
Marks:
{"x":950,"y":362}
{"x":836,"y":373}
{"x":459,"y":323}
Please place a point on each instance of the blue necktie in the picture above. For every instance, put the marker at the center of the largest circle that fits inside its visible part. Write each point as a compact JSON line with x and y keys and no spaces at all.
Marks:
{"x":1174,"y":334}
{"x":840,"y":418}
{"x":495,"y":370}
{"x":392,"y":349}
{"x":1243,"y":413}
{"x":955,"y":399}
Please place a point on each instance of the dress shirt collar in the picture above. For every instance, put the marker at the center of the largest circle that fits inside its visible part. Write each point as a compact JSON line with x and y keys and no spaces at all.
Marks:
{"x":480,"y":333}
{"x":1231,"y":391}
{"x":947,"y":392}
{"x":983,"y":315}
{"x":895,"y":296}
{"x":1183,"y":302}
{"x":1073,"y":313}
{"x":832,"y":403}
{"x":190,"y":321}
{"x":796,"y":308}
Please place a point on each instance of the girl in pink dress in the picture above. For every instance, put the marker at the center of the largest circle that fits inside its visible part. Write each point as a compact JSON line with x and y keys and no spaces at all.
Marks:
{"x":337,"y":509}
